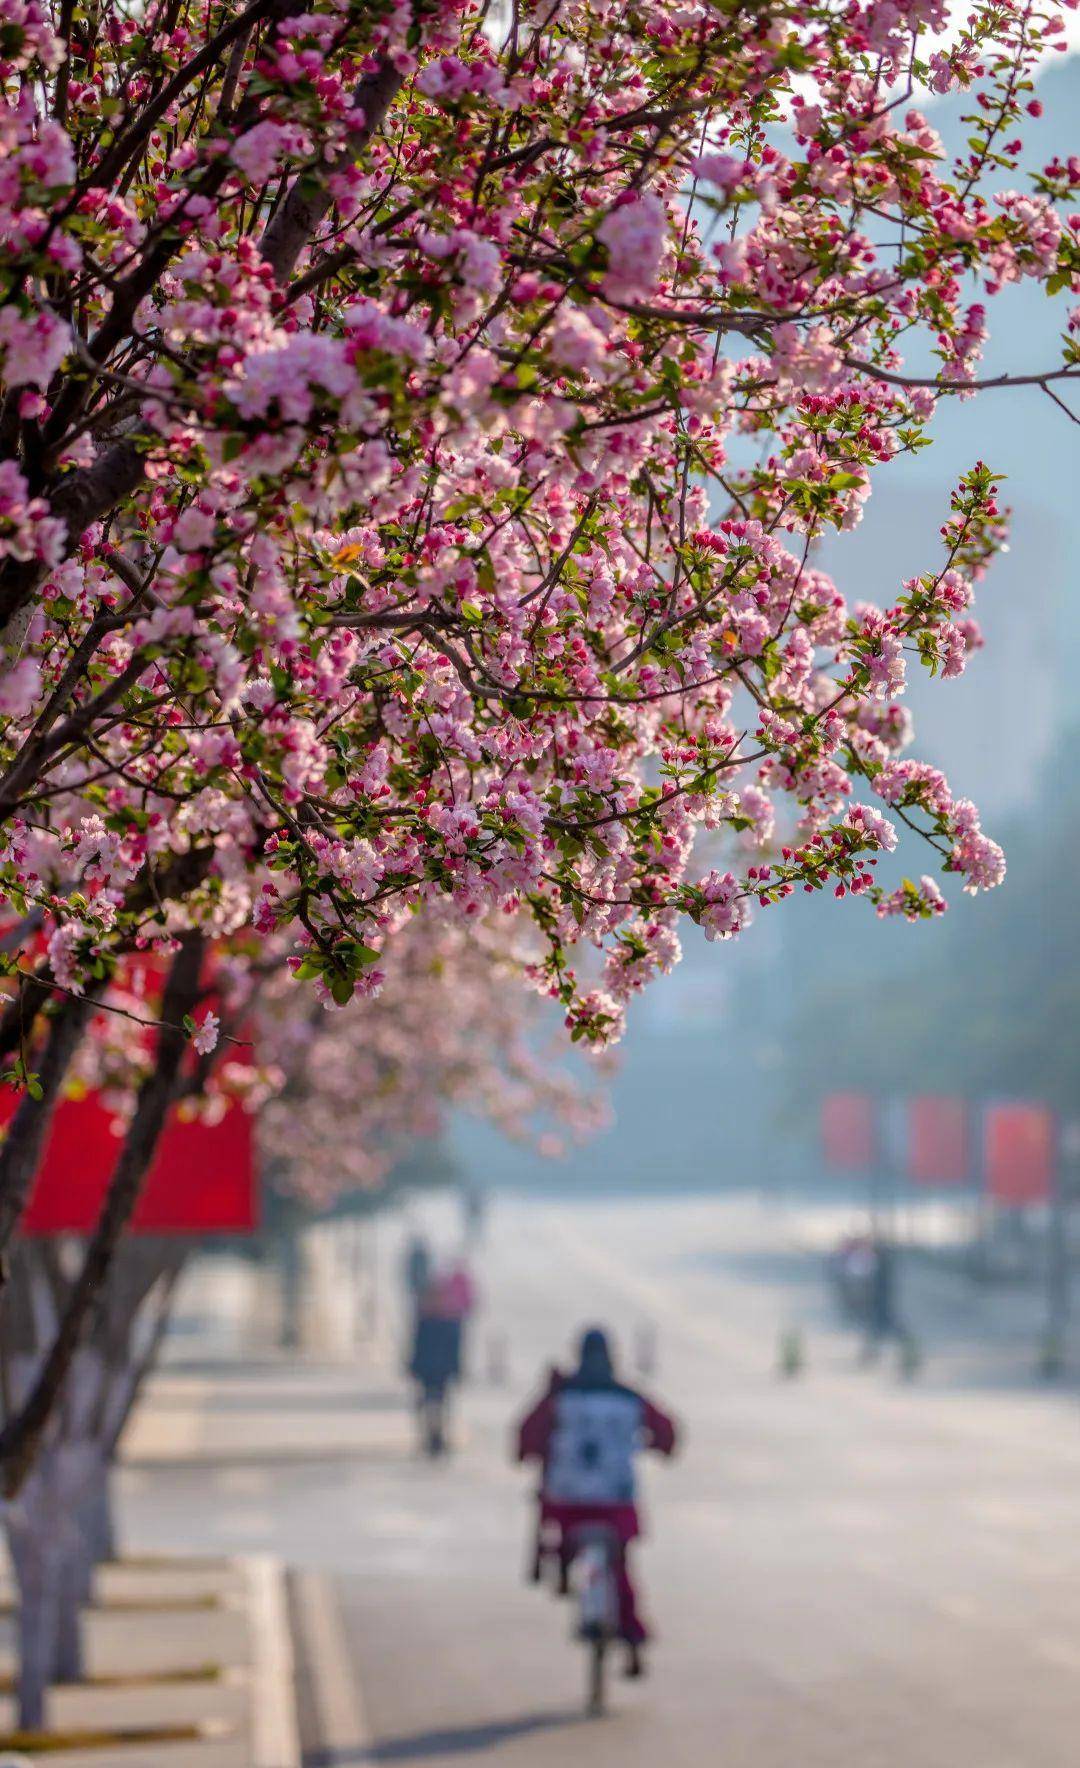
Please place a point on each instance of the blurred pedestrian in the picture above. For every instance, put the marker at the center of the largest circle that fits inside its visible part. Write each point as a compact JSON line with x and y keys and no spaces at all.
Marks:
{"x":457,"y":1291}
{"x":851,"y":1268}
{"x":882,"y":1310}
{"x":435,"y":1363}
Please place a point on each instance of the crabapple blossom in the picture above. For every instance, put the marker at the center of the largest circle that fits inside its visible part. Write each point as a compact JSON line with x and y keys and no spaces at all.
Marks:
{"x":339,"y":1096}
{"x":915,"y":902}
{"x":205,"y":1037}
{"x":449,"y":1029}
{"x":417,"y":435}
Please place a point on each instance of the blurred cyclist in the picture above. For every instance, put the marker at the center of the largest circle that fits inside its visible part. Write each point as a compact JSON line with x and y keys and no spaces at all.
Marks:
{"x":548,"y":1529}
{"x":586,"y":1432}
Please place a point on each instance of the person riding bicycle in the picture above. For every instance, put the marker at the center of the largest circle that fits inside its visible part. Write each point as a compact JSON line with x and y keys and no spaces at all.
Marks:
{"x":586,"y":1432}
{"x":548,"y":1531}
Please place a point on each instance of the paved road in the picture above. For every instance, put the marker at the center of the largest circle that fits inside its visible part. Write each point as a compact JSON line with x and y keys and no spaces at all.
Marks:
{"x":842,"y":1570}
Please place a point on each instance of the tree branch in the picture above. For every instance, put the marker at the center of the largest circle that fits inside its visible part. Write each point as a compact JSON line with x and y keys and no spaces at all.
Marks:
{"x":21,"y":1149}
{"x":293,"y":225}
{"x":79,"y":499}
{"x":22,"y":1434}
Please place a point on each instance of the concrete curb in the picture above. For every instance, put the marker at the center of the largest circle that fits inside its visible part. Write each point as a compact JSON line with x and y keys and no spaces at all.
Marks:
{"x":275,"y":1735}
{"x":334,"y":1705}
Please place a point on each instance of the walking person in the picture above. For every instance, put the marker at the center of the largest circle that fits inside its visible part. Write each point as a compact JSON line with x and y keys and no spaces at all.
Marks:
{"x":435,"y":1363}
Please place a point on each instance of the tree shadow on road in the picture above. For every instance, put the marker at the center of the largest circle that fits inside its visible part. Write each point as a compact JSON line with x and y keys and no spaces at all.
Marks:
{"x":446,"y":1741}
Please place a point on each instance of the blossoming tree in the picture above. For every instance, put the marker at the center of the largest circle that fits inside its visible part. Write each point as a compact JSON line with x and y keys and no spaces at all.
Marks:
{"x":338,"y":1099}
{"x":410,"y":496}
{"x":346,"y":1094}
{"x":419,"y":420}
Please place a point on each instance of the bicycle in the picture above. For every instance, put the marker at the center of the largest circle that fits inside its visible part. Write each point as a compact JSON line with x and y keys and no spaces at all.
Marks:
{"x":595,"y":1556}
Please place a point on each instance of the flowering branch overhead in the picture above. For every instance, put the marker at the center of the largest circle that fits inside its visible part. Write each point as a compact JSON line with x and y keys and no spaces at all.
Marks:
{"x":385,"y":516}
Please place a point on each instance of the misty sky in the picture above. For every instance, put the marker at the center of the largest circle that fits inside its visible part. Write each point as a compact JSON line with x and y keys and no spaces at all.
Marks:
{"x":682,"y":1095}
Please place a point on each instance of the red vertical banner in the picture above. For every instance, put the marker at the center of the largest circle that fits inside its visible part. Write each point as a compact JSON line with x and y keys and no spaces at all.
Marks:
{"x":938,"y":1140}
{"x":848,"y":1139}
{"x":203,"y":1179}
{"x":1019,"y":1153}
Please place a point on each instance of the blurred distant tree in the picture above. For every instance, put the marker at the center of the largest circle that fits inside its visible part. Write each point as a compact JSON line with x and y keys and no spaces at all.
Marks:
{"x":993,"y":1008}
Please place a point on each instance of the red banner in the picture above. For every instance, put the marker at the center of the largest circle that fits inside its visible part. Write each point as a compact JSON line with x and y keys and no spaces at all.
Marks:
{"x":938,"y":1151}
{"x":848,"y":1139}
{"x":203,"y":1180}
{"x":1019,"y":1153}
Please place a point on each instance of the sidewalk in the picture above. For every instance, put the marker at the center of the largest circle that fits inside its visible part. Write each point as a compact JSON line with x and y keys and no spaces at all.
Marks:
{"x":190,"y":1660}
{"x":265,"y":1414}
{"x":225,"y":1394}
{"x":189,"y":1665}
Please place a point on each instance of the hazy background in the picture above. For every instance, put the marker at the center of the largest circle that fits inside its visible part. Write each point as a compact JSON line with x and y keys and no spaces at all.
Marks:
{"x":724,"y":1060}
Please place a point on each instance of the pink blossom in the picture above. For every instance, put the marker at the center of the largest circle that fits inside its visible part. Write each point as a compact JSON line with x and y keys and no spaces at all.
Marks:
{"x":980,"y":859}
{"x":206,"y":1035}
{"x":871,"y":826}
{"x":723,"y":914}
{"x":445,"y":562}
{"x":27,"y":530}
{"x":914,"y":902}
{"x":63,"y":955}
{"x":19,"y":688}
{"x":33,"y":346}
{"x":259,"y":150}
{"x":634,"y":233}
{"x":723,"y":169}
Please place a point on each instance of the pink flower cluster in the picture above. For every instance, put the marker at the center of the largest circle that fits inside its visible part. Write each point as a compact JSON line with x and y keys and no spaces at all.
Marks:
{"x":413,"y":502}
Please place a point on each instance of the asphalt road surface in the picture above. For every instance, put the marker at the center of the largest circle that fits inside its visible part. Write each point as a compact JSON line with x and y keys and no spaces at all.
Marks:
{"x":842,"y":1569}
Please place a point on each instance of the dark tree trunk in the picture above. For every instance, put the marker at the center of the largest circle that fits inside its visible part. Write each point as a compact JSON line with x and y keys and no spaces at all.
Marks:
{"x":98,"y":1522}
{"x":22,"y":1147}
{"x":60,"y":1527}
{"x":294,"y":223}
{"x":37,"y":1574}
{"x":73,"y":1594}
{"x":22,"y":1433}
